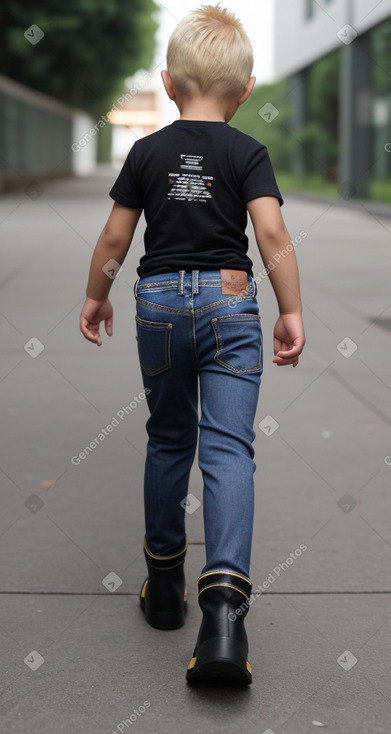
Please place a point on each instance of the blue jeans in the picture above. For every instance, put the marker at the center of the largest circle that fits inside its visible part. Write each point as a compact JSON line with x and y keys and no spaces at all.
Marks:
{"x":193,"y":338}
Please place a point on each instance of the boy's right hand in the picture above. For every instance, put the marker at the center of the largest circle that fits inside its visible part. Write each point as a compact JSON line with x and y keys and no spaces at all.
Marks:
{"x":289,"y":339}
{"x":92,"y":313}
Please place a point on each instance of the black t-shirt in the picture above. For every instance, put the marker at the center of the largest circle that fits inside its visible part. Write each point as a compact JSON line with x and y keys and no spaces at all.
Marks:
{"x":193,"y":179}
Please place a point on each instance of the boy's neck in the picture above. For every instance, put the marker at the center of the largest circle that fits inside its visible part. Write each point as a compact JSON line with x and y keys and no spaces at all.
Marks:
{"x":206,"y":109}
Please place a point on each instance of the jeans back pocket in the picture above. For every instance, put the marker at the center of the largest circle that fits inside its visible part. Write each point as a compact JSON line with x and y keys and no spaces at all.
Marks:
{"x":239,"y":342}
{"x":154,"y":345}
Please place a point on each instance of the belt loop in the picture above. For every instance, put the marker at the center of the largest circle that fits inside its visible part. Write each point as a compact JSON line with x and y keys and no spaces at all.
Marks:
{"x":135,"y":288}
{"x":195,"y":281}
{"x":181,"y":284}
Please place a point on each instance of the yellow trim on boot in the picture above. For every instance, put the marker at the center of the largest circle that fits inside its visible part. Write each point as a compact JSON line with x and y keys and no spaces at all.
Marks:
{"x":225,"y":570}
{"x":164,"y":558}
{"x":228,"y":586}
{"x":144,"y":589}
{"x":248,"y":666}
{"x":192,"y":663}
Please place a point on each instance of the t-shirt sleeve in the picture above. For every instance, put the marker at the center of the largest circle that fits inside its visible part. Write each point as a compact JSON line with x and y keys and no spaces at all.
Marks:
{"x":126,"y":189}
{"x":258,"y":177}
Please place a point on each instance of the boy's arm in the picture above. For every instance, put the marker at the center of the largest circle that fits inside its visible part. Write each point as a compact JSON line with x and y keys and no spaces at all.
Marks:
{"x":272,"y":239}
{"x":113,"y":244}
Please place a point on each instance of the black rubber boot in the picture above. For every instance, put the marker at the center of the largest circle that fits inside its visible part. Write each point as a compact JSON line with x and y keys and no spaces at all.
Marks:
{"x":163,"y":596}
{"x":220,"y":655}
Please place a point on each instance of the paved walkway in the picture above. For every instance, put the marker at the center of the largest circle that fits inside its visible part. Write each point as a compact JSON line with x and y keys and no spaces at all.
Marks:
{"x":77,"y":655}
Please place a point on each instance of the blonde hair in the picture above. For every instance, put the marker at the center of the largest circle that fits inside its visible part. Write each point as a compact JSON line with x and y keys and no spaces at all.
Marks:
{"x":210,"y":50}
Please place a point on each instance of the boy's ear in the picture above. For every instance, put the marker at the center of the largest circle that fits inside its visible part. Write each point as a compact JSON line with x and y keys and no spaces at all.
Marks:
{"x":247,"y":89}
{"x":168,"y":85}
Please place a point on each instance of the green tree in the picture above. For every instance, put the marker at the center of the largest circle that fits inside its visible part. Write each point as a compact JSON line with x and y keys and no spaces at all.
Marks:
{"x":318,"y":139}
{"x":273,"y":131}
{"x":89,"y":47}
{"x":381,"y":54}
{"x":320,"y":135}
{"x":381,"y":49}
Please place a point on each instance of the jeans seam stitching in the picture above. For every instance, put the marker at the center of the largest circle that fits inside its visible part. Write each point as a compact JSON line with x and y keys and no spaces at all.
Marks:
{"x":159,"y":307}
{"x":166,"y":328}
{"x":220,"y":303}
{"x":248,"y":370}
{"x":219,"y":345}
{"x":194,"y":340}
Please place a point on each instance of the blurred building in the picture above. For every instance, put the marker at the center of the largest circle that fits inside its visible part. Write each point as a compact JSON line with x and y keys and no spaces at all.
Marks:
{"x":40,"y":137}
{"x":307,"y":31}
{"x":137,"y":115}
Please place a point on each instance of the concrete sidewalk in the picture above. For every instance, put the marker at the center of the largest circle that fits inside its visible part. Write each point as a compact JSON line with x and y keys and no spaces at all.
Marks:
{"x":77,"y":655}
{"x":374,"y":208}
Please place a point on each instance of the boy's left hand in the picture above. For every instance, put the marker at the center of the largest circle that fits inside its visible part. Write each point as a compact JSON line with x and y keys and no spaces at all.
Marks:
{"x":289,"y":339}
{"x":92,"y":313}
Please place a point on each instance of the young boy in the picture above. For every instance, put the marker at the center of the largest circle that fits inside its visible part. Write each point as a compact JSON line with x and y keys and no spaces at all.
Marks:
{"x":198,"y":327}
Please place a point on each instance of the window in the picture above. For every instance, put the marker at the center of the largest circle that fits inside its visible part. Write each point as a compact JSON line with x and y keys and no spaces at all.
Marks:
{"x":310,"y":7}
